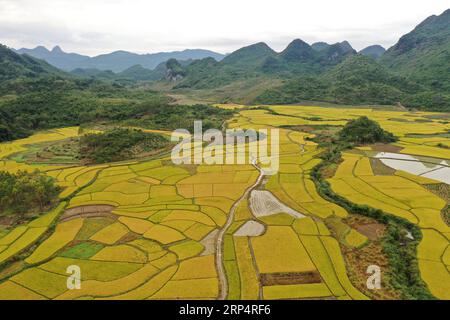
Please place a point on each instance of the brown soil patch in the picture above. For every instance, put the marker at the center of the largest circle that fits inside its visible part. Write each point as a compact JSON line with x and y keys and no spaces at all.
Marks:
{"x":422,"y":120}
{"x":380,"y":147}
{"x":88,"y":212}
{"x":305,"y":128}
{"x":398,"y":119}
{"x":131,"y":236}
{"x":373,"y":231}
{"x":272,"y":279}
{"x":358,"y":260}
{"x":7,"y":221}
{"x":380,"y":169}
{"x":366,"y":224}
{"x":330,"y":171}
{"x":11,"y":269}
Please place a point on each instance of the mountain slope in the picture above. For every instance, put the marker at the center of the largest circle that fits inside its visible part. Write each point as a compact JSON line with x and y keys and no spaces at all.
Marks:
{"x":424,"y":54}
{"x":14,"y":65}
{"x":319,"y":46}
{"x":258,"y":63}
{"x":244,"y":63}
{"x":249,"y":56}
{"x":93,"y":73}
{"x":375,"y":51}
{"x":357,"y":80}
{"x":336,"y":53}
{"x":297,"y":50}
{"x":117,"y":61}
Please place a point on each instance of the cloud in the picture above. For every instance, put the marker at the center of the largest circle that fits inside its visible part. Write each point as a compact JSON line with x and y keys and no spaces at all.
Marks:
{"x":100,"y":26}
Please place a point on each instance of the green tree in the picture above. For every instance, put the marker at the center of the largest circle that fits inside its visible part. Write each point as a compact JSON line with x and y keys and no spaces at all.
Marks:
{"x":364,"y":131}
{"x":26,"y":192}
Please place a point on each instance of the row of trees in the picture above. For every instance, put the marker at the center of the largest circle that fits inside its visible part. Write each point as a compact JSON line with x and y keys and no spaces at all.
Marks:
{"x":404,"y":274}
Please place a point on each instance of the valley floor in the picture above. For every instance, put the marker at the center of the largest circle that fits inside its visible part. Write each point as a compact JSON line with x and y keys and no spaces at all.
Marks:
{"x":149,"y":229}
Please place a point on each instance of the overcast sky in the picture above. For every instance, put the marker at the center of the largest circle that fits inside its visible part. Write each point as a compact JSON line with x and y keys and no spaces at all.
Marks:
{"x":100,"y":26}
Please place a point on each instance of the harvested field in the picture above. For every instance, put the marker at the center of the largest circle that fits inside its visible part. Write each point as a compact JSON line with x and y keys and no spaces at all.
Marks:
{"x":372,"y":231}
{"x":250,"y":229}
{"x":264,"y":203}
{"x":209,"y":243}
{"x":88,"y":212}
{"x":386,"y":148}
{"x":272,"y":279}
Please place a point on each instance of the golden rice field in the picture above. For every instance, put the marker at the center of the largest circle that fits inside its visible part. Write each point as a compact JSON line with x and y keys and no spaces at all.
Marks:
{"x":148,"y":229}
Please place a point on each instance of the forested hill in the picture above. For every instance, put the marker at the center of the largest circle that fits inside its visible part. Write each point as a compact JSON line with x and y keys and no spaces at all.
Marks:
{"x":35,"y":96}
{"x":423,"y":54}
{"x":359,"y":79}
{"x":415,"y":72}
{"x":13,"y":66}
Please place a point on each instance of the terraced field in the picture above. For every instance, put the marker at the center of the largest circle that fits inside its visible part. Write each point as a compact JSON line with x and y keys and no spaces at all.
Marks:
{"x":150,"y":229}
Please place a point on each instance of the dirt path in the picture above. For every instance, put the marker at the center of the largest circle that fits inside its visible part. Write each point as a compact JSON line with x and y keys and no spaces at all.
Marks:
{"x":223,"y":281}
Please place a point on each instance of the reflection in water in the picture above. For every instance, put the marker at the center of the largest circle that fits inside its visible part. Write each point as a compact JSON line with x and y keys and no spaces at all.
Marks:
{"x":432,"y":168}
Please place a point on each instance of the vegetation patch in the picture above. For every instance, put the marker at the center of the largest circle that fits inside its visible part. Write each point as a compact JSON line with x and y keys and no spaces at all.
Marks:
{"x":26,"y":193}
{"x":54,"y":152}
{"x":440,"y":189}
{"x":120,"y":144}
{"x":84,"y":250}
{"x":365,"y":131}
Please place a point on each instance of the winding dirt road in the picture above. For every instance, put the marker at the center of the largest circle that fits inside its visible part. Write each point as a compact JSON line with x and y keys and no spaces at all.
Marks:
{"x":223,"y":281}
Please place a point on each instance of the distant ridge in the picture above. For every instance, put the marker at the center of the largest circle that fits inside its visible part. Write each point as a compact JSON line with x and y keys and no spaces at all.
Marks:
{"x":414,"y":72}
{"x":117,"y":61}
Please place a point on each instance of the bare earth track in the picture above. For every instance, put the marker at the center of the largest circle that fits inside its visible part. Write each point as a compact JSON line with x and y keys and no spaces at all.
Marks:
{"x":223,"y":281}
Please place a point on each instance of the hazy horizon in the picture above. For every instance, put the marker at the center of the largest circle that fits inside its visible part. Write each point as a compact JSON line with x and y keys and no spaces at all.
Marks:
{"x":99,"y":26}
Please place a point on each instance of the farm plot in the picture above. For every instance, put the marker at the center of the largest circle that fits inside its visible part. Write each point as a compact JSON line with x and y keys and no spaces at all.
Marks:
{"x":16,"y":146}
{"x":22,"y":237}
{"x":295,"y":263}
{"x":151,"y":234}
{"x":403,"y":195}
{"x":264,"y":203}
{"x":157,"y":238}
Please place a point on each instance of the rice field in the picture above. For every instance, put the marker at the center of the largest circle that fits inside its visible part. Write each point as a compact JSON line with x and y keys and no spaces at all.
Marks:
{"x":403,"y":195}
{"x":148,"y":229}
